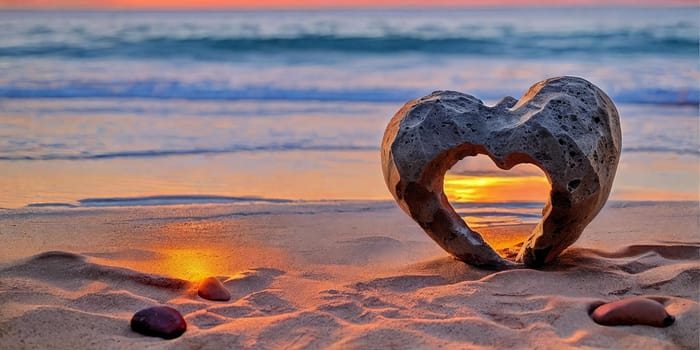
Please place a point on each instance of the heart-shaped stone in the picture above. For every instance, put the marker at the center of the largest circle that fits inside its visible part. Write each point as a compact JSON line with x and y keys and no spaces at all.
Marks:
{"x":566,"y":126}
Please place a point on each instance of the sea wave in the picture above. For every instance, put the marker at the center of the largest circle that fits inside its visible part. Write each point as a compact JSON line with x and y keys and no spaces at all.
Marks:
{"x":185,"y":152}
{"x":519,"y":44}
{"x":208,"y":90}
{"x":173,"y":200}
{"x":536,"y":33}
{"x":160,"y":89}
{"x":157,"y":200}
{"x":155,"y":153}
{"x":680,"y":150}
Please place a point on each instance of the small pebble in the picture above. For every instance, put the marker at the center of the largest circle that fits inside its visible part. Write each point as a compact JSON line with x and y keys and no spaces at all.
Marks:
{"x":159,"y":321}
{"x":212,"y":289}
{"x":632,"y":311}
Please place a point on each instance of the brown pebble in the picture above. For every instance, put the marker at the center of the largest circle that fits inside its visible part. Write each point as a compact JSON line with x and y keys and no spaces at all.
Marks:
{"x":212,"y":289}
{"x":632,"y":311}
{"x":159,"y":321}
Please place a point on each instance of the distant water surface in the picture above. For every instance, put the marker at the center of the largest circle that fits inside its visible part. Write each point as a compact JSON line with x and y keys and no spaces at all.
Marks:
{"x":181,"y":107}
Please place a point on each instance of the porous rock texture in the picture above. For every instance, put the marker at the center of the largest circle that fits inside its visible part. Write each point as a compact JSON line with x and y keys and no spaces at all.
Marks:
{"x":566,"y":126}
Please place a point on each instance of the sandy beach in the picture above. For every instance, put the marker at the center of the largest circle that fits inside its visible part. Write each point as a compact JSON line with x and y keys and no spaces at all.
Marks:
{"x":148,"y":146}
{"x":340,"y":274}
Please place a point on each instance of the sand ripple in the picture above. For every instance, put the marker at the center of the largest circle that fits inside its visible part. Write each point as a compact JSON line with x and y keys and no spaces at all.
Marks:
{"x":66,"y":301}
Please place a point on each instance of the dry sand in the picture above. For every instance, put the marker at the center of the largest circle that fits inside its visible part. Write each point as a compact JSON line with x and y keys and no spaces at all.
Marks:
{"x":332,"y":275}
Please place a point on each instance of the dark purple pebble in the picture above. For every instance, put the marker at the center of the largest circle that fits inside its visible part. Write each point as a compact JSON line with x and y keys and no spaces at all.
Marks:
{"x":159,"y":321}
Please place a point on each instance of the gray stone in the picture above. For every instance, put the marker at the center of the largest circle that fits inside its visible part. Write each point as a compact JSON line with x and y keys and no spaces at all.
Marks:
{"x":566,"y":126}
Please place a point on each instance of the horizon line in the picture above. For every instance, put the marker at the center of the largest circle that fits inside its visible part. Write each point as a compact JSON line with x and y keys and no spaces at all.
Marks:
{"x":476,"y":6}
{"x":299,"y":9}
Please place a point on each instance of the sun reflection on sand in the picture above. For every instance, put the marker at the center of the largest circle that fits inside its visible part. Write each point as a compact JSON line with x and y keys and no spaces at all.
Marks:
{"x":194,"y":250}
{"x":190,"y":264}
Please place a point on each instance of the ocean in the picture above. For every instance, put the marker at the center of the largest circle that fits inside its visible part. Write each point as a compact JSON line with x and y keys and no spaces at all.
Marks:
{"x":156,"y":108}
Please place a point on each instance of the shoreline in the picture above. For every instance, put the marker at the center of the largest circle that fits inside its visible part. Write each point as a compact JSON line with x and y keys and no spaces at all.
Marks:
{"x":159,"y":167}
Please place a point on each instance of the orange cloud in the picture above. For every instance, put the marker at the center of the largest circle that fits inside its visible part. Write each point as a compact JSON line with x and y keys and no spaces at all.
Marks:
{"x":215,"y":4}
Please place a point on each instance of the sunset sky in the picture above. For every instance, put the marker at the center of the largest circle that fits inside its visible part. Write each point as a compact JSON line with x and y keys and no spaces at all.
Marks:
{"x":233,"y":4}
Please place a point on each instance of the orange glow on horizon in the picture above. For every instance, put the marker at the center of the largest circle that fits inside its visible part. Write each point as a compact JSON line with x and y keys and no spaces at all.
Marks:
{"x":233,"y":4}
{"x":497,"y":189}
{"x":459,"y":188}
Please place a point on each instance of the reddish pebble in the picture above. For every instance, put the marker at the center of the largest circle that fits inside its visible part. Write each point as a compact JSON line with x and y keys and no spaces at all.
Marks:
{"x":632,"y":311}
{"x":210,"y":288}
{"x":159,"y":321}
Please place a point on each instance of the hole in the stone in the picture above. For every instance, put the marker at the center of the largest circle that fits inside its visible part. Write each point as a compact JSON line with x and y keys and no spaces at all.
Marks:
{"x":573,"y":184}
{"x":502,"y":205}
